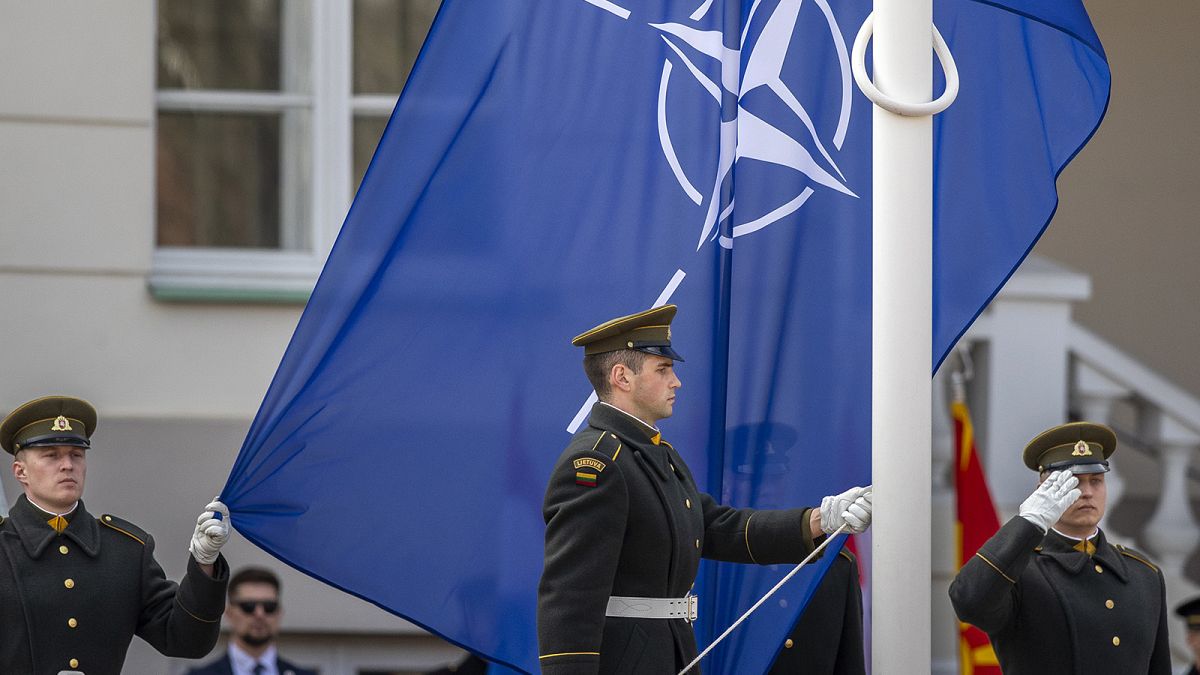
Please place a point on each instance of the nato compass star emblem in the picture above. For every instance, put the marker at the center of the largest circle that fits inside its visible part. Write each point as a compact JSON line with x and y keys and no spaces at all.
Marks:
{"x":785,"y":138}
{"x":745,"y":135}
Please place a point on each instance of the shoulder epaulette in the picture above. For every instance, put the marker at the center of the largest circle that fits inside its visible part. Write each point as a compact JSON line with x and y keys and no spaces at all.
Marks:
{"x":846,"y":554}
{"x":608,"y":445}
{"x":1140,"y":557}
{"x":124,"y":527}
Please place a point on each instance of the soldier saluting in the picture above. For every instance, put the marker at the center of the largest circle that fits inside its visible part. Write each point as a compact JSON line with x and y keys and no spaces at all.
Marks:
{"x":75,"y":588}
{"x":1053,"y":595}
{"x":626,"y":525}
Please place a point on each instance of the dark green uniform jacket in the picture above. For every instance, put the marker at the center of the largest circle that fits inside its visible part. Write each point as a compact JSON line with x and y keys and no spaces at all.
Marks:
{"x":828,"y":637}
{"x":74,"y":601}
{"x":1050,"y":608}
{"x":624,"y":517}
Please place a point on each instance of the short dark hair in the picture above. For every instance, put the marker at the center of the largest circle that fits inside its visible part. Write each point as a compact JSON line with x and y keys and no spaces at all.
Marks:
{"x":253,"y":575}
{"x":598,"y":366}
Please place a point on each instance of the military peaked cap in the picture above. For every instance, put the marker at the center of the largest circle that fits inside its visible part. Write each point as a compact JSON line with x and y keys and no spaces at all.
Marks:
{"x":1190,"y":611}
{"x":50,"y":420}
{"x":1083,"y":447}
{"x":648,"y":331}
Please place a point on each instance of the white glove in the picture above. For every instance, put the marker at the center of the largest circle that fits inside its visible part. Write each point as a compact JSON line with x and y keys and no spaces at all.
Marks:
{"x":851,"y":508}
{"x":1050,"y":500}
{"x":211,"y":533}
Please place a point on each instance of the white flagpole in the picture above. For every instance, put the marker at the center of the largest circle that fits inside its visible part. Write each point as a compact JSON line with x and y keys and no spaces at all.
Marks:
{"x":901,"y":337}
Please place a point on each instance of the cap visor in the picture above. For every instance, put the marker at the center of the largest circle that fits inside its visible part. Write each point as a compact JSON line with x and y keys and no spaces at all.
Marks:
{"x":49,"y":441}
{"x":661,"y":350}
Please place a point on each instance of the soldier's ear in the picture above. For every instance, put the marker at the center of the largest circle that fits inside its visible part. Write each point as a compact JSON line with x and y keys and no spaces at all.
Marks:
{"x":618,"y":377}
{"x":18,"y":468}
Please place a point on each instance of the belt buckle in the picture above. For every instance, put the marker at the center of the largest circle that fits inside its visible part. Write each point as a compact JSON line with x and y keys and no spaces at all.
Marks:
{"x":692,"y":603}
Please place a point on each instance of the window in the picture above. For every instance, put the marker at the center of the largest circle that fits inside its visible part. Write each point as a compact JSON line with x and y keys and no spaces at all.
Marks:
{"x":268,"y":114}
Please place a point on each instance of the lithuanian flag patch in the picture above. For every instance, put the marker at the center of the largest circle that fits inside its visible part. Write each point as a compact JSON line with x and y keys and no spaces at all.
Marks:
{"x":585,"y":478}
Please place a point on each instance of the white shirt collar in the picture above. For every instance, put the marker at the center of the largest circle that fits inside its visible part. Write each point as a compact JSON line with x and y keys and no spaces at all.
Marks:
{"x":51,"y":513}
{"x":635,"y":417}
{"x":243,"y":663}
{"x":1077,"y":538}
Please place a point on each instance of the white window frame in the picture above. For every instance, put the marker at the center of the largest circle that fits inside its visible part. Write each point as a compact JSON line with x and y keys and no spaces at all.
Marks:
{"x":233,"y":274}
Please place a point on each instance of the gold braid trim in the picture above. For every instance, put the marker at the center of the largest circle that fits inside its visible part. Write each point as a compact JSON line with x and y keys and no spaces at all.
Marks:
{"x":993,"y":566}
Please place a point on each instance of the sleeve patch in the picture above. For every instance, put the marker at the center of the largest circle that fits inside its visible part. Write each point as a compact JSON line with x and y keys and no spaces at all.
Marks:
{"x":589,"y":463}
{"x":586,"y":478}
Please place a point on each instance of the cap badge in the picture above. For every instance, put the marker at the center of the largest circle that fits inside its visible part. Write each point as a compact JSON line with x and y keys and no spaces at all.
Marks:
{"x":1081,"y":450}
{"x":668,"y":333}
{"x":61,"y":424}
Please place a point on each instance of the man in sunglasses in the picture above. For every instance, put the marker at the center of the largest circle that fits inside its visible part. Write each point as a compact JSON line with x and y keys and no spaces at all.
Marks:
{"x":253,"y":615}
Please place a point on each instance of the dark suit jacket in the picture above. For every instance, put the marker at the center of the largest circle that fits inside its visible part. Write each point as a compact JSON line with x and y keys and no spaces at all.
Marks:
{"x":828,"y":637}
{"x":74,"y":601}
{"x":624,"y":517}
{"x":1049,"y":608}
{"x":223,"y":666}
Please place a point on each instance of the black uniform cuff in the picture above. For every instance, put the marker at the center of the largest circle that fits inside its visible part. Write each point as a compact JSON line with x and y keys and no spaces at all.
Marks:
{"x":203,"y":596}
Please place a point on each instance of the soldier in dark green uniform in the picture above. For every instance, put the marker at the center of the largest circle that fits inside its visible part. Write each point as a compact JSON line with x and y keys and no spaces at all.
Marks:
{"x":827,"y":639}
{"x":1053,"y":595}
{"x":626,"y":525}
{"x":75,"y":588}
{"x":1189,"y":610}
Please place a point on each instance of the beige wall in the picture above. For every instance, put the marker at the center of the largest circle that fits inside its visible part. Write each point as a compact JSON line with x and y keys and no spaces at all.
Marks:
{"x":1130,"y":210}
{"x":176,"y":384}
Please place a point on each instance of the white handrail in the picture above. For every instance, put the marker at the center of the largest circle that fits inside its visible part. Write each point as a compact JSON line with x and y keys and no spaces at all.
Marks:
{"x":1120,"y":367}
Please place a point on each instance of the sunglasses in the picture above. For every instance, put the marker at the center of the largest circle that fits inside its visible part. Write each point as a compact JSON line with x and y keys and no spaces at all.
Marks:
{"x":248,"y":606}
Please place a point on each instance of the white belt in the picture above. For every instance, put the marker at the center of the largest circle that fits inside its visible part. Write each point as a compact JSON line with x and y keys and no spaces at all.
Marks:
{"x":653,"y":608}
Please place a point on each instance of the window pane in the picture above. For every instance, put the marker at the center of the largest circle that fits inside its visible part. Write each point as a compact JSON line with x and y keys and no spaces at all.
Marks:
{"x":230,"y":180}
{"x":251,"y":44}
{"x":387,"y":37}
{"x":367,"y":131}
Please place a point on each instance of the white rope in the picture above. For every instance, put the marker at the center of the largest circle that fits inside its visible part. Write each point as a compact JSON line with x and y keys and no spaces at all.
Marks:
{"x":858,"y":65}
{"x":763,"y":599}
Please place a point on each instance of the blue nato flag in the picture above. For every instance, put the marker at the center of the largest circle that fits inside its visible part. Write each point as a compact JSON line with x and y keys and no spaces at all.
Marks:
{"x":551,"y":165}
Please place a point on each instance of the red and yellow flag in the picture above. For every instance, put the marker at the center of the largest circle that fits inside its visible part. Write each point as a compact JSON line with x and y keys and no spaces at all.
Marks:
{"x":976,"y":522}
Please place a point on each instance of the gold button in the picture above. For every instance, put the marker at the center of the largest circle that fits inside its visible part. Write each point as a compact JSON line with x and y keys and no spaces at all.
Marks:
{"x":72,"y":622}
{"x":629,"y":344}
{"x":697,"y":543}
{"x":69,"y":583}
{"x":74,"y":663}
{"x":1109,"y":604}
{"x":62,"y":550}
{"x":108,"y":519}
{"x":788,"y":644}
{"x":687,"y":503}
{"x":1099,"y":569}
{"x":1116,"y":641}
